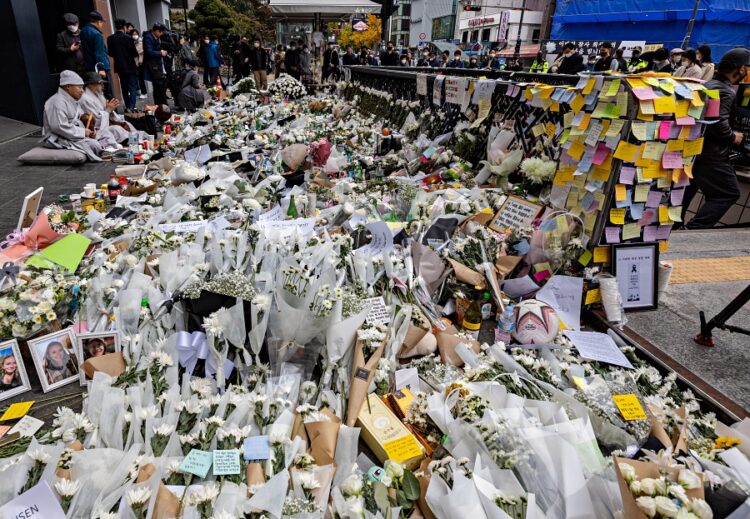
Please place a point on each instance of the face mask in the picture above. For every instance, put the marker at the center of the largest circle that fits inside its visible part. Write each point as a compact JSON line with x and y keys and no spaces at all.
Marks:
{"x":72,"y":28}
{"x":256,"y":44}
{"x":390,"y":49}
{"x":425,"y":55}
{"x":135,"y":37}
{"x":684,"y":63}
{"x":403,"y":62}
{"x":205,"y":41}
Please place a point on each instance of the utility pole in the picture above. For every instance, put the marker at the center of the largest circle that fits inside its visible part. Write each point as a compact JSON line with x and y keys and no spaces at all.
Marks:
{"x":686,"y":41}
{"x":517,"y":53}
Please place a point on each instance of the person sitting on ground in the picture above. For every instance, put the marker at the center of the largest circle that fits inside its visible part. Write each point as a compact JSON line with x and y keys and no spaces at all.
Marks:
{"x":192,"y":95}
{"x":689,"y":67}
{"x":62,"y":127}
{"x":111,"y":130}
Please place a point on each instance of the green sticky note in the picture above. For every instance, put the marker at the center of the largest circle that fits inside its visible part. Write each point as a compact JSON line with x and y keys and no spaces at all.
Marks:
{"x":585,"y":258}
{"x":197,"y":462}
{"x":67,"y":252}
{"x":226,"y":462}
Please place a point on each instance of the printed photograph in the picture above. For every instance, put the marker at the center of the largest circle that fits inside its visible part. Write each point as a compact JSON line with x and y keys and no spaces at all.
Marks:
{"x":96,"y":344}
{"x":55,"y":359}
{"x":13,"y":378}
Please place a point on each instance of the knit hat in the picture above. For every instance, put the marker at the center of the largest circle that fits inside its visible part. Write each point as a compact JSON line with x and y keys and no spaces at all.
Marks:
{"x":68,"y":77}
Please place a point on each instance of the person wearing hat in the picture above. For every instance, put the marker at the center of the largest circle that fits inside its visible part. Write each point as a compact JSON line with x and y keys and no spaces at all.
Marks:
{"x":192,"y":95}
{"x":713,"y":173}
{"x":62,"y":127}
{"x":675,"y":56}
{"x":636,"y":65}
{"x":95,"y":57}
{"x":69,"y":45}
{"x":661,"y":61}
{"x":153,"y":56}
{"x":122,"y":48}
{"x":110,"y":128}
{"x":689,"y":67}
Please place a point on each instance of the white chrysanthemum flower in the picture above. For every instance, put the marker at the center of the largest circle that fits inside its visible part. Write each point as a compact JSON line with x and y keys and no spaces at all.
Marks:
{"x":308,"y":481}
{"x":137,"y":497}
{"x":162,"y":358}
{"x":352,"y":485}
{"x":66,"y":487}
{"x":164,"y":429}
{"x":204,"y":494}
{"x":213,"y":325}
{"x":39,"y":456}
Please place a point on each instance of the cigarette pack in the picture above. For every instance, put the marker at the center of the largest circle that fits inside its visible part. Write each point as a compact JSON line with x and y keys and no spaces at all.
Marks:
{"x":384,"y":433}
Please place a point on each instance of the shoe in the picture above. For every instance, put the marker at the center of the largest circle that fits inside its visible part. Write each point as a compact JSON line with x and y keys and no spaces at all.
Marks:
{"x":143,"y":96}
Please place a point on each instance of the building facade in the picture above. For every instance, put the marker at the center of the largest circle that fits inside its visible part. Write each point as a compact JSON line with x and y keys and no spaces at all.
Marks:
{"x":400,"y":25}
{"x":501,"y":25}
{"x":432,"y":20}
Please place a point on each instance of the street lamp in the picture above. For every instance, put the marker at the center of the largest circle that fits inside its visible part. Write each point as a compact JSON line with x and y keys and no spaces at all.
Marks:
{"x":517,"y":52}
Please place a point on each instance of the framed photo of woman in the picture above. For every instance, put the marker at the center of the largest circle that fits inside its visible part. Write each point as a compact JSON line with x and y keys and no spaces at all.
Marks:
{"x":13,"y":378}
{"x":95,"y":344}
{"x":55,"y":359}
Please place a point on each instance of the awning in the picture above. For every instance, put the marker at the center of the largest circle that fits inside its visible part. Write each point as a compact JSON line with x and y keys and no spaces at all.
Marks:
{"x":329,"y":7}
{"x":527,"y":51}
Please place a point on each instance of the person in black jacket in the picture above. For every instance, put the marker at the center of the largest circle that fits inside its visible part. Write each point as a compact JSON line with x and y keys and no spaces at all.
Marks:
{"x":572,"y":61}
{"x":330,"y":63}
{"x":713,"y":173}
{"x":661,"y":61}
{"x":259,"y":65}
{"x":244,"y":57}
{"x":201,"y":54}
{"x":349,"y":58}
{"x":390,"y":57}
{"x":122,"y":48}
{"x":291,"y":60}
{"x":153,"y":56}
{"x":605,"y":58}
{"x":69,"y":45}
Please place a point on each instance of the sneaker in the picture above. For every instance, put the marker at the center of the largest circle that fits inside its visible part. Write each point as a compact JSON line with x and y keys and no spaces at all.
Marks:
{"x":143,"y":96}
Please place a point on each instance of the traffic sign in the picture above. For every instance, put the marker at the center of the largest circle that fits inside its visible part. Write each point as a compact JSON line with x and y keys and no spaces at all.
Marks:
{"x":422,"y":36}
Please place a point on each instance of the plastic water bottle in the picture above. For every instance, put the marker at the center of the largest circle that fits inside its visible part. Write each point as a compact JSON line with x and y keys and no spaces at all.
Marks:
{"x":505,"y":326}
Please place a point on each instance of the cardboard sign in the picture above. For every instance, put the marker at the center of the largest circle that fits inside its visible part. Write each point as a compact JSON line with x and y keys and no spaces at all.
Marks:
{"x":515,"y":213}
{"x":27,"y":426}
{"x":38,"y":501}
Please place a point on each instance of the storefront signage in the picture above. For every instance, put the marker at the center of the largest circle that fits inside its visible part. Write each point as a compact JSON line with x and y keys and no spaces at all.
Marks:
{"x":476,"y":22}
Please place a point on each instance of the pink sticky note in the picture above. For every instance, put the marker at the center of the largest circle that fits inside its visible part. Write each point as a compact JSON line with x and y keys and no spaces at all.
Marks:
{"x":663,"y":232}
{"x":612,"y":234}
{"x":712,"y":108}
{"x":649,"y":233}
{"x":541,"y":276}
{"x":654,"y":199}
{"x":685,"y":121}
{"x":601,"y":154}
{"x":676,"y":196}
{"x":671,"y":160}
{"x":644,"y":93}
{"x":627,"y":174}
{"x":664,"y":128}
{"x":647,"y":218}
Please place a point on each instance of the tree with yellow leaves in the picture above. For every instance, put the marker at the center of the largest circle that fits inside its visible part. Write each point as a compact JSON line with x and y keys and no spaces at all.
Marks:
{"x":359,"y":39}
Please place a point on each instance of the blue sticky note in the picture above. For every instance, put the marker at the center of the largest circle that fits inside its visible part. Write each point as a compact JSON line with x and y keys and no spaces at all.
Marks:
{"x":636,"y":211}
{"x":522,"y":247}
{"x":197,"y":462}
{"x":226,"y":462}
{"x":256,"y":448}
{"x":628,"y":200}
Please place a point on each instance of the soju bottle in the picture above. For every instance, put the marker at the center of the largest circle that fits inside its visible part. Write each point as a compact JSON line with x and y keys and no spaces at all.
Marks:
{"x":473,"y":315}
{"x":292,"y":211}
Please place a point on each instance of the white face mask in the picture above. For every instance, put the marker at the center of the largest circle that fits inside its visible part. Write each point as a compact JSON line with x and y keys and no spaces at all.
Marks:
{"x":403,"y":62}
{"x":135,"y":37}
{"x":256,"y":44}
{"x":205,"y":41}
{"x":72,"y":28}
{"x":685,"y":63}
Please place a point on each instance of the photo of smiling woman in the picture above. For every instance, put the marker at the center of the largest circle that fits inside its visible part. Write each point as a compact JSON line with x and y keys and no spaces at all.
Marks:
{"x":55,"y":359}
{"x":95,"y":344}
{"x":13,"y":379}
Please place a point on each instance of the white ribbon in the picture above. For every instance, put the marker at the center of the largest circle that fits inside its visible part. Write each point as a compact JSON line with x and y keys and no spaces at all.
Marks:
{"x":193,"y":346}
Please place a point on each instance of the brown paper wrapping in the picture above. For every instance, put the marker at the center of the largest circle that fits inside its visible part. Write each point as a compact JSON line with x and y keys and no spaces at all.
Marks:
{"x":504,"y":265}
{"x":424,"y":482}
{"x":65,"y":473}
{"x":298,"y":429}
{"x":362,"y":375}
{"x":447,"y":341}
{"x":254,"y":474}
{"x":677,"y":439}
{"x":113,"y":364}
{"x":136,"y":190}
{"x":466,"y":275}
{"x":429,"y":265}
{"x":323,"y":437}
{"x":413,"y":335}
{"x":166,"y":505}
{"x":645,"y":470}
{"x":680,"y":432}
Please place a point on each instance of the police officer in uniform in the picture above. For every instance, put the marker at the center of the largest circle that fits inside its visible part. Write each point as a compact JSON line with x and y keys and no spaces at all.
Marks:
{"x":539,"y":66}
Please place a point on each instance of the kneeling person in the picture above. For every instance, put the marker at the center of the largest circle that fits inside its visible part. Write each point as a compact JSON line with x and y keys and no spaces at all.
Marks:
{"x":63,"y":128}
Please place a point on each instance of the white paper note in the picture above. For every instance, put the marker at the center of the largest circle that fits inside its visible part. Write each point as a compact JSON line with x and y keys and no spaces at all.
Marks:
{"x":599,"y":347}
{"x":27,"y":426}
{"x":378,"y":313}
{"x":38,"y":501}
{"x":382,"y":239}
{"x":272,"y":214}
{"x":181,"y":227}
{"x":563,"y":293}
{"x":286,"y":228}
{"x":408,"y":378}
{"x":519,"y":286}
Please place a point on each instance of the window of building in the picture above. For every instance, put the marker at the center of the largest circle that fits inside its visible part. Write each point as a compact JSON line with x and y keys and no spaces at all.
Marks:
{"x":475,"y":35}
{"x":535,"y":35}
{"x":406,"y":10}
{"x":465,"y":37}
{"x":405,"y":24}
{"x":486,"y":34}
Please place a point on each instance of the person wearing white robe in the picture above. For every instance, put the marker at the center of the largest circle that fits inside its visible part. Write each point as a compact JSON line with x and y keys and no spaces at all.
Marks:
{"x":109,"y":125}
{"x":62,"y":127}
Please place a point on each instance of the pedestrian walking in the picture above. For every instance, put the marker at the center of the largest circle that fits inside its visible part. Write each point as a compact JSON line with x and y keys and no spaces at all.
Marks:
{"x":139,"y":61}
{"x":153,"y":56}
{"x":122,"y":48}
{"x":214,"y":60}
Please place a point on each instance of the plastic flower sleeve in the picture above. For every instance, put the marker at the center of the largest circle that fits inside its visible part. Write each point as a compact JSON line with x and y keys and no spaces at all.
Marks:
{"x":346,"y":453}
{"x":270,"y":497}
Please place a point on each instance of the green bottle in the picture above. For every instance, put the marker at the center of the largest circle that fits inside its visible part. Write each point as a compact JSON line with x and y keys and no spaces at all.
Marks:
{"x":292,"y":211}
{"x":473,"y":315}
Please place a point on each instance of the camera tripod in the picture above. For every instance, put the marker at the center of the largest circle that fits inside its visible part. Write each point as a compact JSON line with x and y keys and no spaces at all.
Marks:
{"x":705,"y":338}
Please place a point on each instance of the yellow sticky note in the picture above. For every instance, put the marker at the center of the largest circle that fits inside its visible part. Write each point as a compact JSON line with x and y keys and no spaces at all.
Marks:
{"x":593,"y":296}
{"x":697,"y":100}
{"x":577,"y":103}
{"x":630,"y":407}
{"x":580,"y":382}
{"x":713,"y":94}
{"x":681,"y":108}
{"x":630,"y":231}
{"x":601,"y":254}
{"x":675,"y":213}
{"x":585,"y":120}
{"x":641,"y":192}
{"x":664,"y":105}
{"x":635,"y":82}
{"x":652,"y":81}
{"x":576,"y":150}
{"x":689,"y":170}
{"x":626,"y":151}
{"x":663,"y":246}
{"x":667,"y":87}
{"x":620,"y":193}
{"x":614,"y":87}
{"x":17,"y":410}
{"x":589,"y":86}
{"x":653,"y":150}
{"x":693,"y":147}
{"x":617,"y":215}
{"x":664,"y":215}
{"x":402,"y":449}
{"x":549,"y":129}
{"x":675,"y":145}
